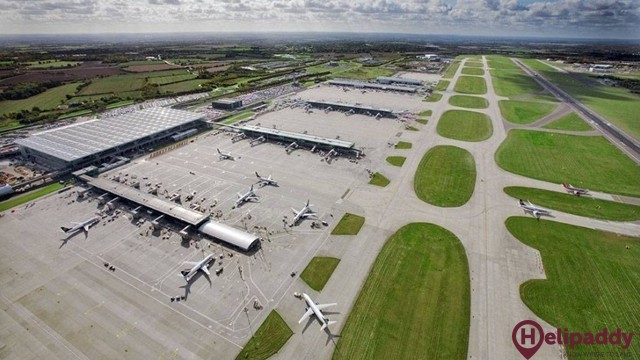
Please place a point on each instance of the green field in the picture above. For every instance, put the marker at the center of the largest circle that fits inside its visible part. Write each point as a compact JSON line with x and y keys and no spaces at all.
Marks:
{"x":470,"y":102}
{"x":422,"y":121}
{"x":473,"y":64}
{"x":524,"y":112}
{"x":511,"y":81}
{"x":21,"y":199}
{"x":415,"y":303}
{"x":114,"y":84}
{"x":366,"y":72}
{"x":403,"y":145}
{"x":585,"y":161}
{"x":270,"y":337}
{"x":183,"y":86}
{"x":571,"y":122}
{"x":350,"y":224}
{"x":464,"y":125}
{"x":471,"y":85}
{"x":74,"y":114}
{"x":592,"y":281}
{"x":239,"y":117}
{"x":501,"y":62}
{"x":318,"y":271}
{"x":379,"y":180}
{"x":442,"y":85}
{"x":47,"y":100}
{"x":120,"y":104}
{"x":426,"y":113}
{"x":583,"y":205}
{"x":411,"y":128}
{"x":472,"y":71}
{"x":396,"y":160}
{"x":162,"y":80}
{"x":46,"y":64}
{"x":433,"y":97}
{"x":617,"y":104}
{"x":446,"y":176}
{"x":451,"y":70}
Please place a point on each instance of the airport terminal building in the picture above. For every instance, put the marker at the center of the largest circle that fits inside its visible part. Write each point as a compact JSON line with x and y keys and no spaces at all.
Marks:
{"x":92,"y":142}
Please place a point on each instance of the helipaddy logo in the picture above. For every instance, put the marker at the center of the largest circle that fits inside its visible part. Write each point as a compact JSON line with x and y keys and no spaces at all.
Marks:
{"x":528,"y":337}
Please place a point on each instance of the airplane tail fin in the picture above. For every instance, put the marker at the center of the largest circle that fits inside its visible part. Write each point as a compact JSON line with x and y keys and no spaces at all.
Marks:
{"x":327,"y":324}
{"x":65,"y":229}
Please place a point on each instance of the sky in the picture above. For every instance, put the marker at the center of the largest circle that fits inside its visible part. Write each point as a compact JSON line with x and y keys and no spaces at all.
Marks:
{"x":616,"y":19}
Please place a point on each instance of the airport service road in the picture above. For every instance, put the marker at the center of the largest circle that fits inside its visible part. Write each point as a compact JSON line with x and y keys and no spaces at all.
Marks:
{"x":498,"y":262}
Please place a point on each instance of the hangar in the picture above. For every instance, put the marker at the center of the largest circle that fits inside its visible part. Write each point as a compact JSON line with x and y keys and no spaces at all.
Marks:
{"x":90,"y":142}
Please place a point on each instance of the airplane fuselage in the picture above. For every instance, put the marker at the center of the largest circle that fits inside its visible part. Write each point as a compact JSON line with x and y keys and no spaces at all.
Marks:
{"x":198,"y":267}
{"x":318,"y":314}
{"x":82,"y":226}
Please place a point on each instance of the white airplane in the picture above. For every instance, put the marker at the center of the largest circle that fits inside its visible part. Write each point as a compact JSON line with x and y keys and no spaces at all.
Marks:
{"x":266,"y":181}
{"x":574,"y":190}
{"x":248,"y":196}
{"x":316,"y":310}
{"x":195,"y":266}
{"x":84,"y":226}
{"x":224,"y":156}
{"x":536,"y":211}
{"x":304,"y":213}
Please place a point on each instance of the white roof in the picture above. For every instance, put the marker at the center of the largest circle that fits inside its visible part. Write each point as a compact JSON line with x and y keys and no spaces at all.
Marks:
{"x":76,"y":141}
{"x":228,"y":234}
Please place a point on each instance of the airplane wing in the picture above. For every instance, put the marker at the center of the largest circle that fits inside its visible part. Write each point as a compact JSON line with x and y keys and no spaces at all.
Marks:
{"x":190,"y":263}
{"x":205,"y":269}
{"x":306,"y":315}
{"x":294,"y":211}
{"x":324,"y":306}
{"x":86,"y":228}
{"x":239,"y":195}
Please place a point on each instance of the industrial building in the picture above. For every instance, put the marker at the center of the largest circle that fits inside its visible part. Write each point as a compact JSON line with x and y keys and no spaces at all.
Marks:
{"x":372,"y":85}
{"x":91,"y":142}
{"x":398,"y":80}
{"x":226,"y":104}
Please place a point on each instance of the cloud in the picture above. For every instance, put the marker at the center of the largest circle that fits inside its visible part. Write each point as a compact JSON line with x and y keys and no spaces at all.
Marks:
{"x":552,"y":17}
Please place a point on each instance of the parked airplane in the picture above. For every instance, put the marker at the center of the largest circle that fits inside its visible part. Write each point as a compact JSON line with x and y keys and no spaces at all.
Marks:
{"x":528,"y":207}
{"x":302,"y":214}
{"x":316,"y":310}
{"x":195,"y":266}
{"x":574,"y":190}
{"x":84,"y":226}
{"x":266,"y":181}
{"x":248,"y":196}
{"x":224,"y":156}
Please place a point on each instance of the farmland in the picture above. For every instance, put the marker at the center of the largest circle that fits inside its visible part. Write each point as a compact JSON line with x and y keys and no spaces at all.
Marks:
{"x":47,"y":100}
